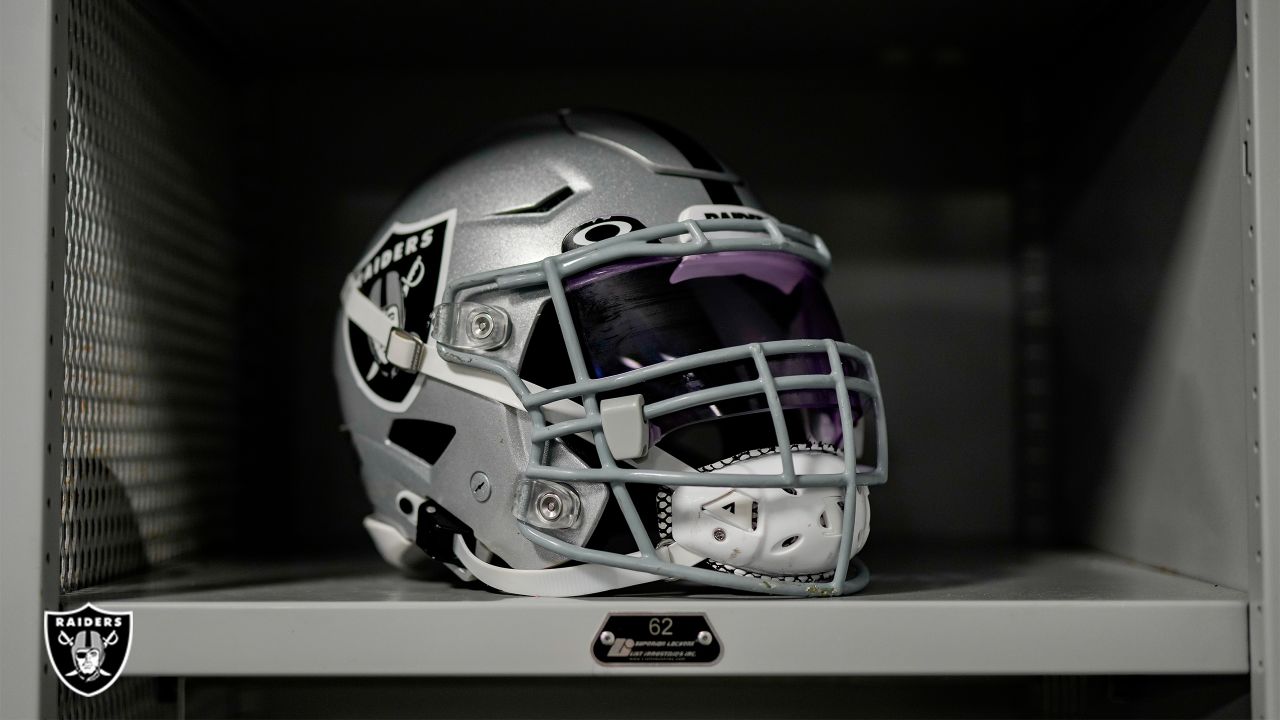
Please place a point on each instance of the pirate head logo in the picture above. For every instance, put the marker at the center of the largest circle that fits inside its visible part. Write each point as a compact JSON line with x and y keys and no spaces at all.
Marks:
{"x":402,"y":276}
{"x":88,"y":647}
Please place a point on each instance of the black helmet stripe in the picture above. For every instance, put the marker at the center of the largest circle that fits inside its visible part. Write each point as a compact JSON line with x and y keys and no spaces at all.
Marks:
{"x":720,"y":192}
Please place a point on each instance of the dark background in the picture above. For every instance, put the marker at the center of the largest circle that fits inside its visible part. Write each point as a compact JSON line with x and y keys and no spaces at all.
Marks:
{"x":935,"y":148}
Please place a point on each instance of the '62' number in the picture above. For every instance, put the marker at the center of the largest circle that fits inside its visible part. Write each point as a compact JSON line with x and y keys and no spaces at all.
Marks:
{"x":660,"y":626}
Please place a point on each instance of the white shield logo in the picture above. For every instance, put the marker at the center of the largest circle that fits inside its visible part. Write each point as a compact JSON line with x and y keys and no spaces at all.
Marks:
{"x":88,"y":647}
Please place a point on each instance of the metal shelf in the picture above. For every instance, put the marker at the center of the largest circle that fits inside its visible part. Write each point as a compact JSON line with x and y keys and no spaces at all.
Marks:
{"x":979,"y":611}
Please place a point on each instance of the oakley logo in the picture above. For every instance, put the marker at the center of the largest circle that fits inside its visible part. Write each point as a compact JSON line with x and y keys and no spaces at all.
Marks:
{"x":599,"y":229}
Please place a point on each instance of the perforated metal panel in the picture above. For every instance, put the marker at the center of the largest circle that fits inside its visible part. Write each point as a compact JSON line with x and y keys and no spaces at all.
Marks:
{"x":151,"y":293}
{"x":131,"y":698}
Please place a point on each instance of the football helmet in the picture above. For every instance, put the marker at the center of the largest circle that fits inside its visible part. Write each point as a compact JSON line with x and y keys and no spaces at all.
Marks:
{"x":582,"y":358}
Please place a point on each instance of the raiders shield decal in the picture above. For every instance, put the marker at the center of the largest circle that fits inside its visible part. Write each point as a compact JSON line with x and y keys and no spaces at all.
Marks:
{"x":89,"y":647}
{"x":403,"y":274}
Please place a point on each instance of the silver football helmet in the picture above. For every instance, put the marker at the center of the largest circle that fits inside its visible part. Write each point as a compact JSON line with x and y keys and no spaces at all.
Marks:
{"x":582,"y":358}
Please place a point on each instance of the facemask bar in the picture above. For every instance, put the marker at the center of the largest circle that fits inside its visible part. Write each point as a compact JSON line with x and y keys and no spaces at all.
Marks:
{"x":701,"y":239}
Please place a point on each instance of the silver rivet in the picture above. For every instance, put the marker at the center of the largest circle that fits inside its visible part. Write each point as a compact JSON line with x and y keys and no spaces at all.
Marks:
{"x":718,"y":534}
{"x":481,"y":325}
{"x":704,"y":637}
{"x":481,"y":488}
{"x":606,"y":638}
{"x":549,"y":506}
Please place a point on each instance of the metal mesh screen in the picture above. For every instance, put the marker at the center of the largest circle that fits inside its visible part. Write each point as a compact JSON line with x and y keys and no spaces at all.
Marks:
{"x":151,"y":295}
{"x":131,"y":698}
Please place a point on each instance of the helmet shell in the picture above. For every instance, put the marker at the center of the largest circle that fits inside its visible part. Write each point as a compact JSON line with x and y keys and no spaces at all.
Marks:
{"x":517,"y":198}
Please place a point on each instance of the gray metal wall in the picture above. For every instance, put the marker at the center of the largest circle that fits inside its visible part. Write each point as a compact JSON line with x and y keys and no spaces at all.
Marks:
{"x":1149,"y":294}
{"x":24,"y":118}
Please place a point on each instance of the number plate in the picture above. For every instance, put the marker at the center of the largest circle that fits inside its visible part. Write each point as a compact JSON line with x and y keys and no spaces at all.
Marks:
{"x":657,"y":639}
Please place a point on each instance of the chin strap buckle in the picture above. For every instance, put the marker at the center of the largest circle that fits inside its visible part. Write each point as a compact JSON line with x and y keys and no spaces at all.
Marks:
{"x":400,"y":347}
{"x":406,"y":350}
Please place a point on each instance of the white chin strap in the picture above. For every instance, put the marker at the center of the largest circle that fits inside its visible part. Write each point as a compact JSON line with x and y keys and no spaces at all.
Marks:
{"x":562,"y":581}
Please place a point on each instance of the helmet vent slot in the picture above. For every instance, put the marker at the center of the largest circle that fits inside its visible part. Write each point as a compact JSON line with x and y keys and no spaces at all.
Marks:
{"x":787,"y":544}
{"x":546,"y":204}
{"x":424,"y":438}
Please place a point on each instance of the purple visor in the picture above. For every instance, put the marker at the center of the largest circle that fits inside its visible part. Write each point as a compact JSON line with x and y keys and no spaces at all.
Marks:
{"x":638,"y":313}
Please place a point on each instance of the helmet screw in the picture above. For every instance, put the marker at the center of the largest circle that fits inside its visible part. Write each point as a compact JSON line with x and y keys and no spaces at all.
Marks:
{"x":481,"y":488}
{"x":704,"y":637}
{"x":606,"y":638}
{"x":718,"y":534}
{"x":549,"y":506}
{"x":481,"y":325}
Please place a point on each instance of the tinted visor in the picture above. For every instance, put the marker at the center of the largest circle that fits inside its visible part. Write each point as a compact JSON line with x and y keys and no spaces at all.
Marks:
{"x":638,"y":313}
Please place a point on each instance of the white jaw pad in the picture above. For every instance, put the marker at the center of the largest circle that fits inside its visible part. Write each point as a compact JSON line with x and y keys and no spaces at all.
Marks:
{"x":769,"y":530}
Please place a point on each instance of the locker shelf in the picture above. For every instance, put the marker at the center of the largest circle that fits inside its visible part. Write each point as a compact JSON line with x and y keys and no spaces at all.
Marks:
{"x":969,"y":610}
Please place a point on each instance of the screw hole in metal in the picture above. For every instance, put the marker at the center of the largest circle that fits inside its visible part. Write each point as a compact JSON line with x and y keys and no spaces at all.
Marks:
{"x":481,"y":488}
{"x":550,"y":506}
{"x":481,"y":326}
